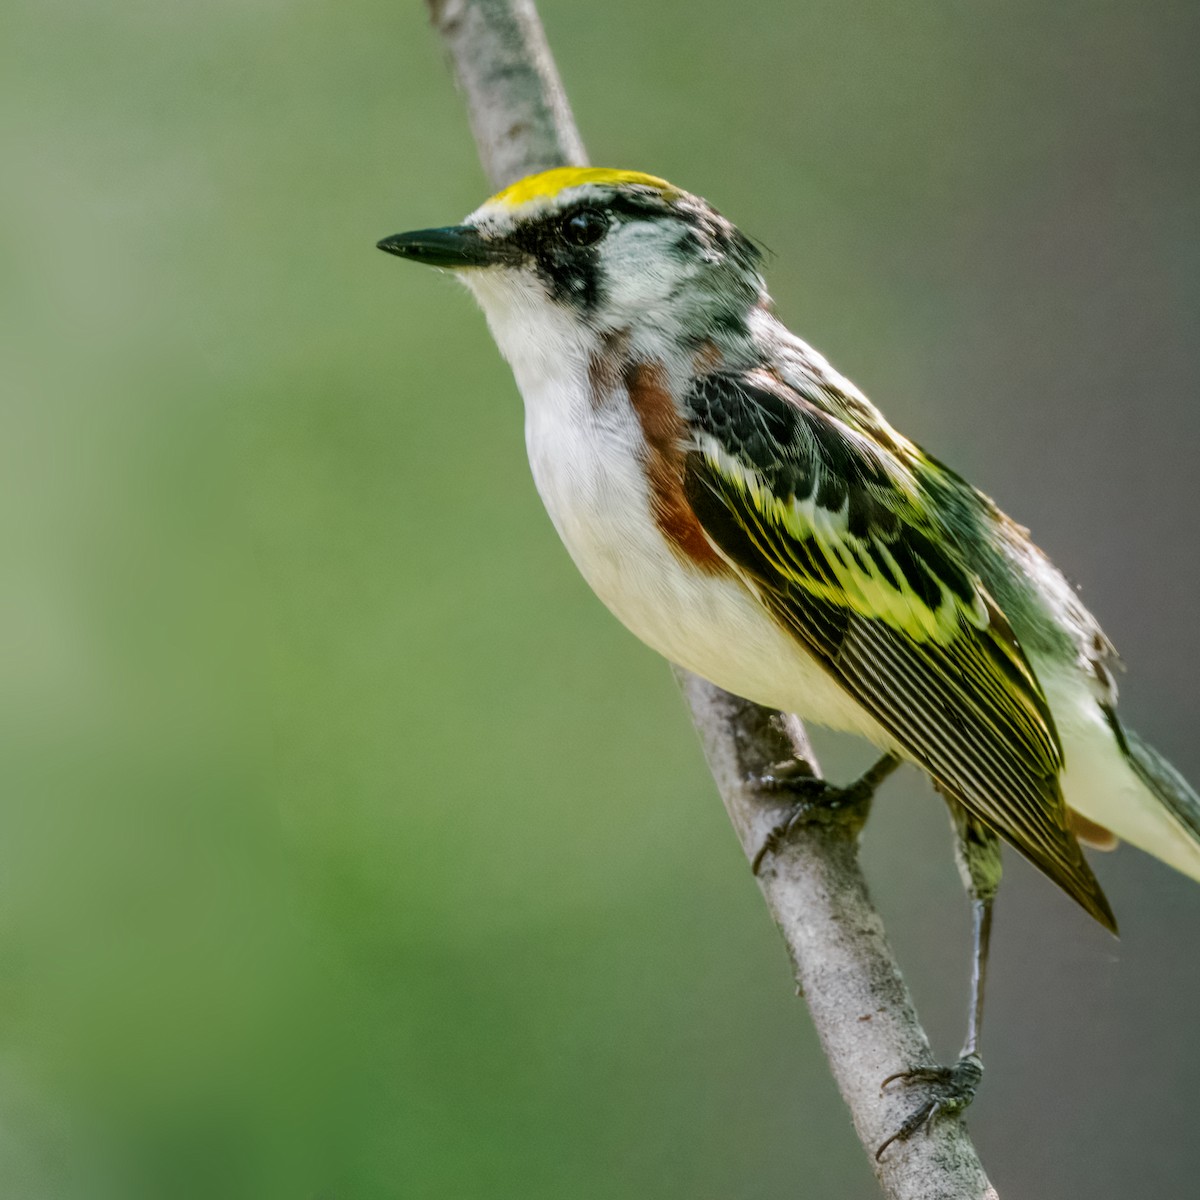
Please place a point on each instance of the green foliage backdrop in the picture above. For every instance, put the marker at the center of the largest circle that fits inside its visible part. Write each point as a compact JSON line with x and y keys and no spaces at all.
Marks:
{"x":348,"y":848}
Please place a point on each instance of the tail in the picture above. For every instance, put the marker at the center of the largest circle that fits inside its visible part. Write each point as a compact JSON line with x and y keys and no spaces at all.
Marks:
{"x":1171,"y":789}
{"x":1120,"y":783}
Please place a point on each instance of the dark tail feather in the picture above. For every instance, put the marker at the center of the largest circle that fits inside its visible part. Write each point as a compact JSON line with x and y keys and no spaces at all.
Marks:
{"x":1163,"y":780}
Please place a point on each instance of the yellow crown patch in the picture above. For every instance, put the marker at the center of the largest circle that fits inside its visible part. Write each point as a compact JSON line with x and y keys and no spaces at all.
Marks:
{"x":547,"y":184}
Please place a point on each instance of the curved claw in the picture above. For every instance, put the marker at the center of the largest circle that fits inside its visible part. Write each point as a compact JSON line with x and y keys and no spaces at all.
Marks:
{"x":954,"y":1089}
{"x":921,"y":1075}
{"x":808,"y":794}
{"x":922,"y":1116}
{"x":813,"y":798}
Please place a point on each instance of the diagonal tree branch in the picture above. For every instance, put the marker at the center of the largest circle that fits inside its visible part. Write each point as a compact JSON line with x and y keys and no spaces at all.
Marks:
{"x":813,"y":885}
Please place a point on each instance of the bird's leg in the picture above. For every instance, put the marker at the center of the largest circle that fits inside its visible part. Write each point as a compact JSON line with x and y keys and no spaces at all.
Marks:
{"x":813,"y":798}
{"x":952,"y":1088}
{"x":981,"y":936}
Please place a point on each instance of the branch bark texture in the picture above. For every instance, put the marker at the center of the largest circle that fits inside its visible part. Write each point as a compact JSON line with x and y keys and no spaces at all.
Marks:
{"x":813,"y":885}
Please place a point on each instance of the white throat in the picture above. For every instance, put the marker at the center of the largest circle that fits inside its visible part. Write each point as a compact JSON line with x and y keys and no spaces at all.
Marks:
{"x":547,"y":348}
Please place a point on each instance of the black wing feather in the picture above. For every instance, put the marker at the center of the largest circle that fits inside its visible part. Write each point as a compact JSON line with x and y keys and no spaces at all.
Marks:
{"x":962,"y":701}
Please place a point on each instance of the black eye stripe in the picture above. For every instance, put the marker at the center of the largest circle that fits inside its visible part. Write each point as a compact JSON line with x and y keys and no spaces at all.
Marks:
{"x":565,"y":234}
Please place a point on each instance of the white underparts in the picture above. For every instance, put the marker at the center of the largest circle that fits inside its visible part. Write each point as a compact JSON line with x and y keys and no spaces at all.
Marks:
{"x":1099,"y":782}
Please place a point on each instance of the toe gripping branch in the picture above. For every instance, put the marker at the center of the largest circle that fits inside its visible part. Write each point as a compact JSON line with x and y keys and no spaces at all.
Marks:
{"x":812,"y":800}
{"x":951,"y":1089}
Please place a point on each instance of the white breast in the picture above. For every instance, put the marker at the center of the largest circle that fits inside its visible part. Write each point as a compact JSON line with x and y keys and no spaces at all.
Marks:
{"x":587,"y":464}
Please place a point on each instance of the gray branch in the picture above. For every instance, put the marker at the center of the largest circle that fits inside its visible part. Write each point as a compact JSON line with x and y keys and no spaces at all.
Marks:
{"x":515,"y":100}
{"x":813,"y":884}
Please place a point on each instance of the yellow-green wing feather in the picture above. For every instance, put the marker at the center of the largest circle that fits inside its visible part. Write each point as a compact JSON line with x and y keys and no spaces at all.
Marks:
{"x":840,"y":539}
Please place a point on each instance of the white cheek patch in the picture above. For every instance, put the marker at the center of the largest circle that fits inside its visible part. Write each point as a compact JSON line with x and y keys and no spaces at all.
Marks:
{"x":642,"y":270}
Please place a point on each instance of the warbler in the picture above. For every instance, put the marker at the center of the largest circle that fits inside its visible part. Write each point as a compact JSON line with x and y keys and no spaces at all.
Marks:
{"x":746,"y":512}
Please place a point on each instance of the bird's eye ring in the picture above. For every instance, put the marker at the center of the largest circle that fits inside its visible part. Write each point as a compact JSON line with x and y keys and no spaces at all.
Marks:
{"x":584,"y":227}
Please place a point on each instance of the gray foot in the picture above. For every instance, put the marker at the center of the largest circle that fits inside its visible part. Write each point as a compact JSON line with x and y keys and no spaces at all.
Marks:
{"x":814,"y":800}
{"x":950,"y":1090}
{"x":810,"y":799}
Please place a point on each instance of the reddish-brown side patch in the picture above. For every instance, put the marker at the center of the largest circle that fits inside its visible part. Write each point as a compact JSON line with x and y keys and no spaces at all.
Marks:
{"x":1090,"y":833}
{"x":664,"y":432}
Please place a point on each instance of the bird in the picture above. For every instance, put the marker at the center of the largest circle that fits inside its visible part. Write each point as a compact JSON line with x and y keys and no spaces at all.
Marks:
{"x":745,"y":511}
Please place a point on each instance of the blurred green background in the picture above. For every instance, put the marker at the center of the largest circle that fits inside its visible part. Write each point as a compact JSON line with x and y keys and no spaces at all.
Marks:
{"x":348,"y":848}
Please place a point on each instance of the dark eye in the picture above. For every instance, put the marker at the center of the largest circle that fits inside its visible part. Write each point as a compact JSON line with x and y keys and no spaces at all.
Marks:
{"x":584,"y":227}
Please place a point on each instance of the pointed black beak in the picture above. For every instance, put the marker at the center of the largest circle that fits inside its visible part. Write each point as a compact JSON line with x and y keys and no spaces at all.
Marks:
{"x":454,"y":246}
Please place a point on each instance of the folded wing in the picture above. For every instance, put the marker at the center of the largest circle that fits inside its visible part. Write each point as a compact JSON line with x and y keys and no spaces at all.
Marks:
{"x":838,"y":536}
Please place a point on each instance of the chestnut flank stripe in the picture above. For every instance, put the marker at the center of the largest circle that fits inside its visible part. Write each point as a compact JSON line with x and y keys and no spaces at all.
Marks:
{"x":664,"y":431}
